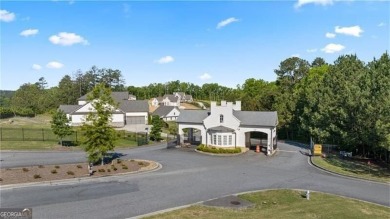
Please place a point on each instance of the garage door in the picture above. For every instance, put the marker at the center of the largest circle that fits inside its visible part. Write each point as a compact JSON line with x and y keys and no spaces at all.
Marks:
{"x":135,"y":120}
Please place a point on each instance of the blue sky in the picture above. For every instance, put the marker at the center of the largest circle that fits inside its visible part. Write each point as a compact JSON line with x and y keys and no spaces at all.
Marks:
{"x":198,"y":42}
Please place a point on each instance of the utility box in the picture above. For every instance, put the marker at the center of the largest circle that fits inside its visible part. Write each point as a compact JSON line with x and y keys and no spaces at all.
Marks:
{"x":317,"y":150}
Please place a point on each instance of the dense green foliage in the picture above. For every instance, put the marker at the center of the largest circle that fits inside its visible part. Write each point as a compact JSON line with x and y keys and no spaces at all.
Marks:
{"x":155,"y":132}
{"x":60,"y":125}
{"x":345,"y":103}
{"x":99,"y":135}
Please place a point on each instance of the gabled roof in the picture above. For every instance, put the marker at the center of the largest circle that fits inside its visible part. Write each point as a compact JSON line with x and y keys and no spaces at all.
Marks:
{"x":163,"y":111}
{"x":221,"y":129}
{"x":193,"y":116}
{"x":188,"y":97}
{"x":67,"y":109}
{"x":117,"y":96}
{"x":171,"y":97}
{"x":134,"y":106}
{"x":182,"y":94}
{"x":259,"y":118}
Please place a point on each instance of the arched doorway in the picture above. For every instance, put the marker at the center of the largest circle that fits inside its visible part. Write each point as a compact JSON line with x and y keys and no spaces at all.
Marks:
{"x":191,"y":136}
{"x":254,"y":138}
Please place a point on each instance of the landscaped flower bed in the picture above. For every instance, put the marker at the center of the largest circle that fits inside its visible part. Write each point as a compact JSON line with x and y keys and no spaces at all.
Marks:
{"x":66,"y":171}
{"x":216,"y":150}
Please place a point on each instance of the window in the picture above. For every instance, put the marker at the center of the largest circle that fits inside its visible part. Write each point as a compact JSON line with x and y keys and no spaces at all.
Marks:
{"x":219,"y":139}
{"x":221,"y":118}
{"x":214,"y":139}
{"x":230,"y":140}
{"x":224,"y":140}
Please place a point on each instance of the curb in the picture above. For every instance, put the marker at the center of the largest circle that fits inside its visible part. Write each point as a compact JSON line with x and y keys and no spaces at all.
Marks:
{"x":237,"y":194}
{"x":76,"y":150}
{"x":81,"y":179}
{"x":342,"y":175}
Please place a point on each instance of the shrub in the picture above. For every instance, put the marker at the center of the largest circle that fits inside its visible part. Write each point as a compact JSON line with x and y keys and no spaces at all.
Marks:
{"x":215,"y":150}
{"x":141,"y":163}
{"x":113,"y":167}
{"x":102,"y":170}
{"x":37,"y":176}
{"x":132,"y":160}
{"x":79,"y":166}
{"x":118,"y":160}
{"x":109,"y":170}
{"x":70,"y":173}
{"x":54,"y":171}
{"x":5,"y":113}
{"x":57,"y":167}
{"x":41,"y":166}
{"x":25,"y":169}
{"x":1,"y":180}
{"x":125,"y":167}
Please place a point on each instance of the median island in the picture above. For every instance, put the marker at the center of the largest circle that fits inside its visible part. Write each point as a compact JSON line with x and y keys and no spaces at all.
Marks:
{"x":41,"y":173}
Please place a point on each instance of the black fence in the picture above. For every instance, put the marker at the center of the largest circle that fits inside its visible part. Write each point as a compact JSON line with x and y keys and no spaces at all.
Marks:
{"x":27,"y":134}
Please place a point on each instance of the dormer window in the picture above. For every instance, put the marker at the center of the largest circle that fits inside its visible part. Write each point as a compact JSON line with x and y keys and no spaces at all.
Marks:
{"x":221,"y":118}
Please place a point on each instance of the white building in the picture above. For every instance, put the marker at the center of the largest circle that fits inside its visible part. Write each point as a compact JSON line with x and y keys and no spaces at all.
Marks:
{"x":167,"y":113}
{"x":227,"y":126}
{"x":129,"y":111}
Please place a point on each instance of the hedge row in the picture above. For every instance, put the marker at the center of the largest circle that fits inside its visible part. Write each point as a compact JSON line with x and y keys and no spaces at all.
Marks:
{"x":215,"y":150}
{"x":8,"y":113}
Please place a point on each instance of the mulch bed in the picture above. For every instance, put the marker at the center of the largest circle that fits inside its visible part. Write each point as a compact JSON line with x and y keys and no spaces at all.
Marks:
{"x":66,"y":171}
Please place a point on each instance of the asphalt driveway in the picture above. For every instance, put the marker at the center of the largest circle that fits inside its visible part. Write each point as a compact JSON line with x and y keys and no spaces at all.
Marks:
{"x":186,"y":177}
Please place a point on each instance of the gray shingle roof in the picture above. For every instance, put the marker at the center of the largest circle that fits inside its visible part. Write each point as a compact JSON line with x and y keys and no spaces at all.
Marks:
{"x":257,"y":118}
{"x":221,"y":129}
{"x":171,"y":97}
{"x":69,"y":108}
{"x":192,"y":116}
{"x":134,"y":106}
{"x":162,"y":111}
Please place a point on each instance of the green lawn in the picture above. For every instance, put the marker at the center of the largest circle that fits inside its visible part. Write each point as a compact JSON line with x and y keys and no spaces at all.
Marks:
{"x":286,"y":204}
{"x":353,"y":168}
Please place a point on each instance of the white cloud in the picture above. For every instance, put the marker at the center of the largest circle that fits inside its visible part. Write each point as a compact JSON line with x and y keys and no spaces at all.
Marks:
{"x":301,"y":3}
{"x":55,"y":65}
{"x":381,"y":24}
{"x":295,"y":55}
{"x":29,"y":32}
{"x":205,"y":76}
{"x":226,"y":22}
{"x":36,"y":67}
{"x":330,"y":35}
{"x":332,"y":48}
{"x":67,"y":39}
{"x":165,"y":60}
{"x":311,"y":50}
{"x":351,"y":31}
{"x":6,"y":16}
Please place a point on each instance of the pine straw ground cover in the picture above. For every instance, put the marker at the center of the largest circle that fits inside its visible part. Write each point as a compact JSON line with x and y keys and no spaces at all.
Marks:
{"x":68,"y":171}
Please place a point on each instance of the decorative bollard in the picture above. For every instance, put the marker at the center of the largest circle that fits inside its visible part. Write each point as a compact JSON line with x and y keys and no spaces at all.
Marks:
{"x":90,"y":169}
{"x":257,"y":149}
{"x":308,"y":195}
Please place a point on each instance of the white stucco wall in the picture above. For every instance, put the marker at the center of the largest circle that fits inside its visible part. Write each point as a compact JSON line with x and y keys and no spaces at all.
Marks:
{"x":174,"y":113}
{"x":229,"y":120}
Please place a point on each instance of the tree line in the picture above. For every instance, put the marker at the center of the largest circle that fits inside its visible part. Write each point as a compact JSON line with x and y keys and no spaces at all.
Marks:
{"x":346,"y":103}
